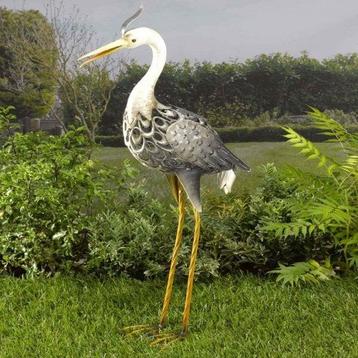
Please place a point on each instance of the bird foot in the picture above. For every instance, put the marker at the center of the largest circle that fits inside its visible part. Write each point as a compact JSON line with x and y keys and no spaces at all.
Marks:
{"x":147,"y":329}
{"x":164,"y":339}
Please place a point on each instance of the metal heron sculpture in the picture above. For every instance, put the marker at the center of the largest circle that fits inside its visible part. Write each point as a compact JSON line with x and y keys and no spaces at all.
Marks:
{"x":177,"y":142}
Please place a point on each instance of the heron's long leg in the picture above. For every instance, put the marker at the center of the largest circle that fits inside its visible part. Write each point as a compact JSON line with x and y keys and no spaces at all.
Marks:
{"x":176,"y":187}
{"x":168,"y":338}
{"x":179,"y":195}
{"x":190,"y":283}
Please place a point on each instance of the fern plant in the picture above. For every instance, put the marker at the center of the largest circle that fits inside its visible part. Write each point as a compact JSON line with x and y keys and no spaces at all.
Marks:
{"x":324,"y":204}
{"x":304,"y":272}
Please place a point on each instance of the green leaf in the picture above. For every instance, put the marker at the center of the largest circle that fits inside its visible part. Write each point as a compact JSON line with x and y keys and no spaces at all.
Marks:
{"x":307,"y":272}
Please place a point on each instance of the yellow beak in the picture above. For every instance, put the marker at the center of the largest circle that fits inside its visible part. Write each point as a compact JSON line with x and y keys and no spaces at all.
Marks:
{"x":103,"y":51}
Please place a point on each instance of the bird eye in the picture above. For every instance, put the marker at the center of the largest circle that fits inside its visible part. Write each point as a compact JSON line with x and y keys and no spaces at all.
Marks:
{"x":134,"y":40}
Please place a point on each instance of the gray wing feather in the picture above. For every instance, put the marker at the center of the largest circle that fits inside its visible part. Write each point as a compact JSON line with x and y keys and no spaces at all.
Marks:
{"x":197,"y":143}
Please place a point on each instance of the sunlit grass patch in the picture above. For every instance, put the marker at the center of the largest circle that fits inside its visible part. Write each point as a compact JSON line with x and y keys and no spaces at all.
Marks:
{"x":231,"y":317}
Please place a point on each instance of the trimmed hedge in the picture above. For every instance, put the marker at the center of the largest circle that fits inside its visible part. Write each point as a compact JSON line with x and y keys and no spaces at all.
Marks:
{"x":266,"y":134}
{"x":110,"y":140}
{"x":243,"y":134}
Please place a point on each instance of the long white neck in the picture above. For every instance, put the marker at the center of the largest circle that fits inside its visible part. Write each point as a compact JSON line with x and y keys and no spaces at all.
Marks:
{"x":142,"y":99}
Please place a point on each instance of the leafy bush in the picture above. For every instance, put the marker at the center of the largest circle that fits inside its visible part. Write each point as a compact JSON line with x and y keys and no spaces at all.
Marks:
{"x":137,"y":239}
{"x":49,"y":190}
{"x":306,"y":272}
{"x":346,"y":119}
{"x":226,"y":115}
{"x":262,"y":249}
{"x":8,"y":123}
{"x":133,"y":239}
{"x":326,"y":205}
{"x":60,"y":211}
{"x":7,"y":120}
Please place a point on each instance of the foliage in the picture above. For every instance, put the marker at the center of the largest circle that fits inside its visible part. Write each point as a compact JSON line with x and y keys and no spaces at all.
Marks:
{"x":245,"y":242}
{"x":307,"y":272}
{"x":27,"y":65}
{"x":137,"y":240}
{"x":325,"y":205}
{"x":85,"y":97}
{"x":7,"y":120}
{"x":346,"y":119}
{"x":49,"y":190}
{"x":130,"y":240}
{"x":62,"y":212}
{"x":229,"y":114}
{"x":263,"y":89}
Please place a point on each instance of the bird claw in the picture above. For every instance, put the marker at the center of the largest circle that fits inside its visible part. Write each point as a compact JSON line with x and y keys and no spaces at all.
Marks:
{"x":165,"y":339}
{"x":154,"y":331}
{"x":148,"y":329}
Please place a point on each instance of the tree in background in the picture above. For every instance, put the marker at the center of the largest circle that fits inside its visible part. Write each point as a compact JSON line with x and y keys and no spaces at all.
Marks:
{"x":39,"y":72}
{"x":230,"y":93}
{"x":84,"y":93}
{"x":38,"y":64}
{"x":27,"y":67}
{"x":85,"y":98}
{"x":125,"y":81}
{"x":343,"y":90}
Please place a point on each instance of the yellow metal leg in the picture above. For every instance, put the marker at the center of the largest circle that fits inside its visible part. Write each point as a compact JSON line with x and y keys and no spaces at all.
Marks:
{"x":151,"y":329}
{"x":190,"y":283}
{"x":171,"y":337}
{"x":178,"y":239}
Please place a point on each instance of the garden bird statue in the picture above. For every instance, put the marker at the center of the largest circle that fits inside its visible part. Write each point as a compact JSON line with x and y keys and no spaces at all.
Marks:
{"x":177,"y":142}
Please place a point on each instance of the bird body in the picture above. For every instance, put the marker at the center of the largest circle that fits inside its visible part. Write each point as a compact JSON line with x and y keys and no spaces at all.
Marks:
{"x":177,"y":142}
{"x":170,"y":138}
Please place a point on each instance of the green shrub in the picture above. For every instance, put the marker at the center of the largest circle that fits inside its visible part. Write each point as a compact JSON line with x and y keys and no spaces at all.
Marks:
{"x":62,"y":212}
{"x":137,"y":239}
{"x":8,"y":123}
{"x":325,"y":205}
{"x":49,"y":191}
{"x":305,"y":272}
{"x":248,"y":245}
{"x":346,"y":119}
{"x":134,"y":239}
{"x":227,"y":115}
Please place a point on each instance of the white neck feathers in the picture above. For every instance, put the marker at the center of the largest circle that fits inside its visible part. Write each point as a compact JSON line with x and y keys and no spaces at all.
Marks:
{"x":142,"y":99}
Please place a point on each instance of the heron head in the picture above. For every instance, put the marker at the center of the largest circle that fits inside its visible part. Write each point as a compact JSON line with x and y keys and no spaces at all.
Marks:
{"x":129,"y":39}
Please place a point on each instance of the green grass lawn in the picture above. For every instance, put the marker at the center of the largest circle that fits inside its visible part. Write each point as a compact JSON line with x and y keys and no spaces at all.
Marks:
{"x":254,"y":153}
{"x":231,"y":317}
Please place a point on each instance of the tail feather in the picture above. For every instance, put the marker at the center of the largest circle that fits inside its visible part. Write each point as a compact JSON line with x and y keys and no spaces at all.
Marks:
{"x":232,"y":160}
{"x":240,"y":164}
{"x":226,"y":180}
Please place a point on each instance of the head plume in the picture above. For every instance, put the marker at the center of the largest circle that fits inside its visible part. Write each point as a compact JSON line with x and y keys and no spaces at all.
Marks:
{"x":131,"y":19}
